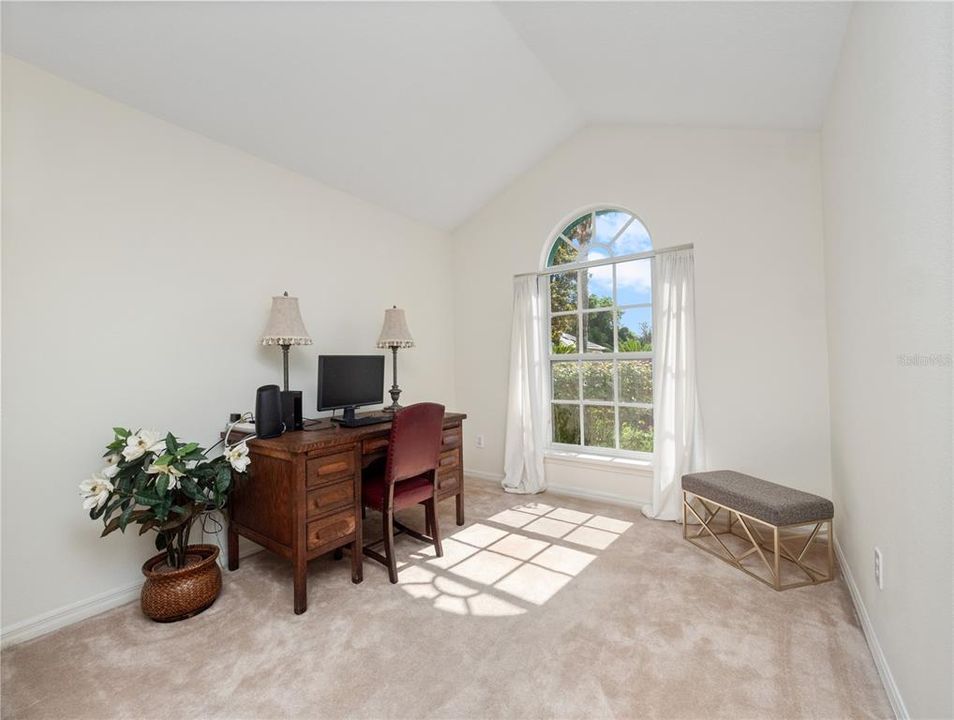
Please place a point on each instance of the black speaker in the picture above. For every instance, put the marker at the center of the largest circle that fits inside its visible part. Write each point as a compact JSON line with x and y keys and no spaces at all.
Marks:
{"x":268,"y":412}
{"x":291,"y":409}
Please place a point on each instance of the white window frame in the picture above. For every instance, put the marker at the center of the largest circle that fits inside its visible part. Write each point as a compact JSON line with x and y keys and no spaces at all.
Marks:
{"x":580,"y":358}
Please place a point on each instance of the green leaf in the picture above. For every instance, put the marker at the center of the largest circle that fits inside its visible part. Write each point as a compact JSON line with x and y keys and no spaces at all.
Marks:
{"x":223,"y":477}
{"x":162,"y":510}
{"x":147,"y":497}
{"x":190,"y":488}
{"x":222,"y":484}
{"x":142,"y":479}
{"x":126,"y":516}
{"x":202,"y":472}
{"x":123,"y":483}
{"x":162,"y":484}
{"x":161,"y":541}
{"x":122,"y":432}
{"x":171,"y":444}
{"x":186,"y":449}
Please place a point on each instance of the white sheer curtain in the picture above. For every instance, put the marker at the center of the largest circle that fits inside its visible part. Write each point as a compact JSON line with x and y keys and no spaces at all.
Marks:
{"x":526,"y":421}
{"x":678,"y":442}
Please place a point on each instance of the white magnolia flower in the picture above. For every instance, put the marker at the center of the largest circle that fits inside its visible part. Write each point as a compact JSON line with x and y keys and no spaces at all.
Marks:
{"x":95,"y":491}
{"x":112,"y":466}
{"x":140,"y":443}
{"x":238,"y":457}
{"x":173,"y":474}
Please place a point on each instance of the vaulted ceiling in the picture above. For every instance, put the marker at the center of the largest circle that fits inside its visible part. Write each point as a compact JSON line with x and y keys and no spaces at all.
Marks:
{"x":431,"y":108}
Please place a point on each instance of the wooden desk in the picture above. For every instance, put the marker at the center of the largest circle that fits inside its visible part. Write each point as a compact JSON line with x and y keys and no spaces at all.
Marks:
{"x":301,"y":497}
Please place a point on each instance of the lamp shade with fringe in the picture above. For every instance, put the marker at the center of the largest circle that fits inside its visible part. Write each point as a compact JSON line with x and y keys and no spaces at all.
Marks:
{"x":285,"y":326}
{"x":395,"y":333}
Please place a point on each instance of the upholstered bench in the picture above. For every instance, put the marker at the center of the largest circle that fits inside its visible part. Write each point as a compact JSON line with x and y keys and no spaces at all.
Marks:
{"x":794,"y":524}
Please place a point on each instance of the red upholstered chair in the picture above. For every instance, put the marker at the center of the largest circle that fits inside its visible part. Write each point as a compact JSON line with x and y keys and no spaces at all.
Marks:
{"x":408,"y":478}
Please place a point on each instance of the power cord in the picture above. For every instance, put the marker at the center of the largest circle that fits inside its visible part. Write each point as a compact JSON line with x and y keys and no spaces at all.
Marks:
{"x":209,"y":523}
{"x":245,"y":417}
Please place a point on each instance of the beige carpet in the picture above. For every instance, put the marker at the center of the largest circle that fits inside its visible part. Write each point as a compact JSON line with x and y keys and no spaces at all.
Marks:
{"x":559,"y":609}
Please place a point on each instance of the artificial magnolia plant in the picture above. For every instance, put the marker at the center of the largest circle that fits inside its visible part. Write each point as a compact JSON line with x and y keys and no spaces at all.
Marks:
{"x":162,"y":485}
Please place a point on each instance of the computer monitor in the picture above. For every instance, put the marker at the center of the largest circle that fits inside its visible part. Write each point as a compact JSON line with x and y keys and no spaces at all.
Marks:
{"x":349,"y":381}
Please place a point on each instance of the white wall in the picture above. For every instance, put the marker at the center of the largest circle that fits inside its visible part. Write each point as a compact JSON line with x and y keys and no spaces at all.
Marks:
{"x":750,"y":201}
{"x":138,"y":264}
{"x":886,"y":148}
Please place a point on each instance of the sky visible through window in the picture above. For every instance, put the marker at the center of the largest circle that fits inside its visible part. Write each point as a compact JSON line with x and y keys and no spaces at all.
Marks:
{"x":600,"y":327}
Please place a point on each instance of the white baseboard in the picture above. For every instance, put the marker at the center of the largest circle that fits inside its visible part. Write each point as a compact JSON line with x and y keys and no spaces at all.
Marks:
{"x":877,"y":654}
{"x":585,"y":494}
{"x":483,"y":475}
{"x":68,"y":614}
{"x":569,"y":491}
{"x":80,"y":610}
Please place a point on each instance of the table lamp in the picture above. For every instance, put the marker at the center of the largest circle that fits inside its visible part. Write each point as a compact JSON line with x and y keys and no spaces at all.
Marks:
{"x":285,"y":328}
{"x":394,"y":335}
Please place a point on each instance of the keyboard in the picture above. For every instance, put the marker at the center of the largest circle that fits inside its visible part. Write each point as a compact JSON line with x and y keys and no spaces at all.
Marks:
{"x":363,"y":420}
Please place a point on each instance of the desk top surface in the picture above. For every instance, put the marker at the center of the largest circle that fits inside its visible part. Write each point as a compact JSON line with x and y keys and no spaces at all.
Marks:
{"x":324,"y":433}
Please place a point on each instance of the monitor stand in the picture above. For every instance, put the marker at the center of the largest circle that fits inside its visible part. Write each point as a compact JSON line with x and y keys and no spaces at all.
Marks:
{"x":349,"y":419}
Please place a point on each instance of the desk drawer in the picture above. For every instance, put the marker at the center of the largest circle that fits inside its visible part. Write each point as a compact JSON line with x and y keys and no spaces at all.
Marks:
{"x":322,"y":470}
{"x":449,"y":459}
{"x":328,"y":529}
{"x":448,"y":481}
{"x":333,"y":496}
{"x":374,"y":445}
{"x":452,"y":437}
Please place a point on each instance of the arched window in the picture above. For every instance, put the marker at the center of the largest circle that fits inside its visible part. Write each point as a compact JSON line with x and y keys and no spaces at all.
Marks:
{"x":600,"y":328}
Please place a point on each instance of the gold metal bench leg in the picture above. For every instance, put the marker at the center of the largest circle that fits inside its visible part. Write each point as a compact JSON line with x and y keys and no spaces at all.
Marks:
{"x":758,"y":543}
{"x":773,"y":573}
{"x":685,"y":520}
{"x":831,"y":549}
{"x":729,"y":556}
{"x":776,"y":572}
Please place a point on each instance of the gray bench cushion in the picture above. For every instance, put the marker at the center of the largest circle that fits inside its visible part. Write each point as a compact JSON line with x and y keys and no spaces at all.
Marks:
{"x":775,"y":504}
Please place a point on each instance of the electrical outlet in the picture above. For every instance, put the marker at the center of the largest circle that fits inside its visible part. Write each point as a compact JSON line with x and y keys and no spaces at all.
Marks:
{"x":879,"y":568}
{"x":479,"y":441}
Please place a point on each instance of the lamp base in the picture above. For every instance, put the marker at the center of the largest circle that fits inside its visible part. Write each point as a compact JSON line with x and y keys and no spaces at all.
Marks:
{"x":395,"y":393}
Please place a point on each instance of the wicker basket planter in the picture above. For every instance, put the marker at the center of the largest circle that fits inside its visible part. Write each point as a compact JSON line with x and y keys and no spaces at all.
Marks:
{"x":169,"y":594}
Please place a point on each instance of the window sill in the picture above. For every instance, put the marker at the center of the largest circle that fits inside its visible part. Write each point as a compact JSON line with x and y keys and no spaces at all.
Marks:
{"x":609,"y":463}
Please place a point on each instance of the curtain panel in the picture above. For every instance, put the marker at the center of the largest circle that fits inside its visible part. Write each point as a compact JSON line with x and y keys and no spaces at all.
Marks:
{"x":678,"y":440}
{"x":529,"y":373}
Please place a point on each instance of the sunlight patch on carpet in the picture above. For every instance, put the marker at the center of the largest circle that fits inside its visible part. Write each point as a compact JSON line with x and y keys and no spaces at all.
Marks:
{"x":511,"y":562}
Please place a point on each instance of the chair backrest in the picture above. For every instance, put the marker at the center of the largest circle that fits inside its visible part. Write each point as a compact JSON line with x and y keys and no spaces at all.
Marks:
{"x":415,"y":443}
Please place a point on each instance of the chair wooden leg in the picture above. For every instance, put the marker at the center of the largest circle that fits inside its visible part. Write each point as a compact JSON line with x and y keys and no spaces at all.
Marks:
{"x":389,"y":545}
{"x":433,"y":526}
